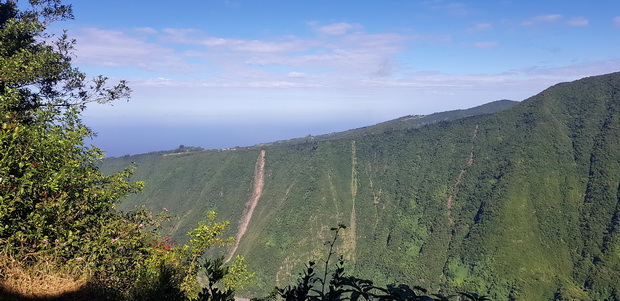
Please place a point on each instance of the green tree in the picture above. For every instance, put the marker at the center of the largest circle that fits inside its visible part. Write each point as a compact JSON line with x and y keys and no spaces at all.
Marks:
{"x":184,"y":273}
{"x":54,"y":201}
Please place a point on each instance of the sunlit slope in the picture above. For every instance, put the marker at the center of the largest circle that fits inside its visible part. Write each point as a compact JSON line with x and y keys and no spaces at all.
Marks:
{"x":518,"y":204}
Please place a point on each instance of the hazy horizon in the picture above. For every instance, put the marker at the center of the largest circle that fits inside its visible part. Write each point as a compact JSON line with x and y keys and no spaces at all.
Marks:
{"x":290,"y":67}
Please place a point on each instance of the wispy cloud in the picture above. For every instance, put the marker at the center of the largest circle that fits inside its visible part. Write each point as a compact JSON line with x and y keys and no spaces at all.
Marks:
{"x":146,"y":30}
{"x":578,"y":21}
{"x":296,"y":74}
{"x":349,"y":54}
{"x":113,"y":48}
{"x":541,"y":19}
{"x":616,"y":21}
{"x":533,"y":78}
{"x":570,"y":72}
{"x":334,"y":28}
{"x":337,"y":53}
{"x":435,"y":38}
{"x":478,"y":27}
{"x":451,"y":8}
{"x":488,"y":44}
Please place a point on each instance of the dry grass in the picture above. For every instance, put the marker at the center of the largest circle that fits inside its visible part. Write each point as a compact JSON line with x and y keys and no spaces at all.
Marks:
{"x":42,"y":280}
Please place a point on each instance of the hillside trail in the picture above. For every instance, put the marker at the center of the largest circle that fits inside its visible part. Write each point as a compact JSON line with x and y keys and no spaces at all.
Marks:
{"x":259,"y":182}
{"x":351,"y":240}
{"x":459,"y":178}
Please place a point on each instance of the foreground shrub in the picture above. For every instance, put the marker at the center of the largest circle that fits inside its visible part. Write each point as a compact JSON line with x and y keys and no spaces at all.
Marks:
{"x":128,"y":268}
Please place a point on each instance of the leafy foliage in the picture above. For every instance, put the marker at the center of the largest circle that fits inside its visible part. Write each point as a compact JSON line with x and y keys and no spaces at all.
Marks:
{"x":184,"y":273}
{"x":56,"y":207}
{"x":54,"y":201}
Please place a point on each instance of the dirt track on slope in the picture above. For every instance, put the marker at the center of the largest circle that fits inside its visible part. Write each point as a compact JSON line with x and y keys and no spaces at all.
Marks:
{"x":459,"y":178}
{"x":351,"y":242}
{"x":259,"y":182}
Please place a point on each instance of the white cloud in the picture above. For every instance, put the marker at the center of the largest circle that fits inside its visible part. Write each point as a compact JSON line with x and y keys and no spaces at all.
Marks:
{"x":616,"y":21}
{"x":536,"y":77}
{"x":573,"y":71}
{"x":215,"y":41}
{"x":197,"y":37}
{"x":334,"y":28}
{"x":542,"y":19}
{"x":578,"y":21}
{"x":257,"y":46}
{"x":114,"y":48}
{"x":296,"y":74}
{"x":353,"y":61}
{"x":349,"y":54}
{"x":146,"y":30}
{"x":516,"y":84}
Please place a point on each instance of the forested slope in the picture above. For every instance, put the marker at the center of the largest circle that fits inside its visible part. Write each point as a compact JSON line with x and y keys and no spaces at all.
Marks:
{"x":520,"y":204}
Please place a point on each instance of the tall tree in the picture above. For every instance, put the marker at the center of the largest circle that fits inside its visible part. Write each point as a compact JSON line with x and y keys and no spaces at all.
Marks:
{"x":52,"y":195}
{"x":55,"y":203}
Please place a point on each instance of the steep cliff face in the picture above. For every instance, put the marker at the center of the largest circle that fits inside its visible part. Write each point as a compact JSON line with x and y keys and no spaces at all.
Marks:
{"x":520,"y":204}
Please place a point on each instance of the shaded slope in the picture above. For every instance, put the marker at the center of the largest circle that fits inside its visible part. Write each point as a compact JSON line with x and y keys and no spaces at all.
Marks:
{"x":190,"y":184}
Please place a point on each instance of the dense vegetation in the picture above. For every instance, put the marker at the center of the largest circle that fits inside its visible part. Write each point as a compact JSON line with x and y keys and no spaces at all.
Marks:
{"x":521,"y":204}
{"x":61,"y":236}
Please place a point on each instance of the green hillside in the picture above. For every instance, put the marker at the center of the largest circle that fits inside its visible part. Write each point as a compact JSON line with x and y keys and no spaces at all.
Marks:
{"x":522,"y":204}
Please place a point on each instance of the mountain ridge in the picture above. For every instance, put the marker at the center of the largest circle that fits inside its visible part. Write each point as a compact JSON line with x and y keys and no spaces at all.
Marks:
{"x":412,"y":121}
{"x":519,"y":205}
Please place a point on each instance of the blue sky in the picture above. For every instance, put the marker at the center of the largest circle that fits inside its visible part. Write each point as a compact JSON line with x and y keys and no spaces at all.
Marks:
{"x":225,"y":73}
